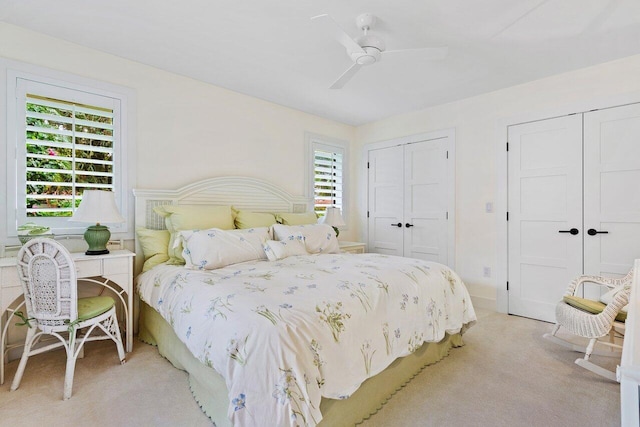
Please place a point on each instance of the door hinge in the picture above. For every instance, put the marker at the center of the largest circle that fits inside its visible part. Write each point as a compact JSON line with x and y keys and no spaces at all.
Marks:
{"x":507,"y":145}
{"x":367,"y":214}
{"x":507,"y":285}
{"x":367,"y":165}
{"x":507,"y":216}
{"x":447,"y":154}
{"x":447,"y":215}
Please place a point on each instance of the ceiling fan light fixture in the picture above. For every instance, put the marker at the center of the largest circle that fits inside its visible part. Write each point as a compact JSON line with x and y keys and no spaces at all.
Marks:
{"x":370,"y":56}
{"x":370,"y":40}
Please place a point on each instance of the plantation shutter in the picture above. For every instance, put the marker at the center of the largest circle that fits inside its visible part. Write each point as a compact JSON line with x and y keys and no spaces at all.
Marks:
{"x":328,"y":179}
{"x":69,"y":148}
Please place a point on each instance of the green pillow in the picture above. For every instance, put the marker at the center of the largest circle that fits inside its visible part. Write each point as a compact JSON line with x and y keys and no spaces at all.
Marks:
{"x":287,"y":218}
{"x":155,"y":246}
{"x":247,"y":219}
{"x":93,"y":306}
{"x":591,"y":306}
{"x":196,"y":217}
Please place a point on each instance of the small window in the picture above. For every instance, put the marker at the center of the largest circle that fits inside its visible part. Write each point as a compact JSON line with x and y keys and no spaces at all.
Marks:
{"x":327,"y":167}
{"x":65,"y":134}
{"x":328,"y":158}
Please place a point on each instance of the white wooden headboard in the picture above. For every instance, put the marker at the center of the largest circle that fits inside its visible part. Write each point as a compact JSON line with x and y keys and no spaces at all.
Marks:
{"x":238,"y":191}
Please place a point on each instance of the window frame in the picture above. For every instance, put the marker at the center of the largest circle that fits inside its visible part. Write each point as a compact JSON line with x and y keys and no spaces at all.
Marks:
{"x":50,"y":83}
{"x":320,"y":142}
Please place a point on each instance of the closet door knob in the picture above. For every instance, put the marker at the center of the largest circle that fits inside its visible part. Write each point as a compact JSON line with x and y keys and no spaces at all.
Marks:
{"x":593,"y":232}
{"x":573,"y":231}
{"x":408,"y":225}
{"x":399,"y":225}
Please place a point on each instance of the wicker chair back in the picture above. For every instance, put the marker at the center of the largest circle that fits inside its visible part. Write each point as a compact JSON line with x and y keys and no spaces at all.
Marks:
{"x":47,"y":273}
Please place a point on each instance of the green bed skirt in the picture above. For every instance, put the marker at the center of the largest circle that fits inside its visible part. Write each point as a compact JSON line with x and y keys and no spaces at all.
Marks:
{"x":210,"y":391}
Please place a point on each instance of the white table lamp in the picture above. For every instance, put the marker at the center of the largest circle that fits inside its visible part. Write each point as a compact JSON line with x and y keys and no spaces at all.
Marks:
{"x":333,"y":217}
{"x":97,"y":206}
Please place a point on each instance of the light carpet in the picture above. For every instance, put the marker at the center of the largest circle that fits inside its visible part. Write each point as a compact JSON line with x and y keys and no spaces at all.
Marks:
{"x":505,"y":375}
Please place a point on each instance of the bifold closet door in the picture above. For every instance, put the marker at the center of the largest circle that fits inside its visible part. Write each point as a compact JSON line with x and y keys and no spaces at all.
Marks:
{"x":545,"y":213}
{"x":612,"y":191}
{"x":385,"y":201}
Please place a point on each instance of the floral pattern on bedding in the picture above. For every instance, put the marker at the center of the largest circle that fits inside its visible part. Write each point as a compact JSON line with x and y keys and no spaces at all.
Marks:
{"x":278,"y":332}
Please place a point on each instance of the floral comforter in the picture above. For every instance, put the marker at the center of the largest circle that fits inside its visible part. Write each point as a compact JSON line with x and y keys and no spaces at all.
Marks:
{"x":280,"y":332}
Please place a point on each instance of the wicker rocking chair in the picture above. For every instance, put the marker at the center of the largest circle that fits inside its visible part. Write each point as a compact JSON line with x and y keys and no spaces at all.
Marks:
{"x":48,"y":277}
{"x":593,"y":319}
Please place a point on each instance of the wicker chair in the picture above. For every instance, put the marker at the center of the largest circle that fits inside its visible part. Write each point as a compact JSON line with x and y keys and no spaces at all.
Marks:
{"x":48,"y":277}
{"x":593,"y":320}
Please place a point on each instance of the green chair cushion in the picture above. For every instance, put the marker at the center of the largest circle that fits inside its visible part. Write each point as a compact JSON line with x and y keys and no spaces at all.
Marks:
{"x":591,"y":306}
{"x":93,"y":306}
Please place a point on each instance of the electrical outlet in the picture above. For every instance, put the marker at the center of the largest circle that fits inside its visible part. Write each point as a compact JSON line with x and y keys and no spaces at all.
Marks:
{"x":486,"y":271}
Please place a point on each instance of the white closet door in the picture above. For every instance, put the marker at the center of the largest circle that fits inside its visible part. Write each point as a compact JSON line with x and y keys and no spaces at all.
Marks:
{"x":545,"y":198}
{"x":386,"y":200}
{"x":425,"y":200}
{"x":612,"y":191}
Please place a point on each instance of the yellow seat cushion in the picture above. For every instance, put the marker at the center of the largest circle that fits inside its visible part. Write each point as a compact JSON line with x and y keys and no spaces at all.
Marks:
{"x":93,"y":306}
{"x":591,"y":306}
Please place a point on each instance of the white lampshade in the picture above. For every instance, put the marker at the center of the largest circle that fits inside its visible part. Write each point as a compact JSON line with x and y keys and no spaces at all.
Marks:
{"x":333,"y":217}
{"x":98,"y":207}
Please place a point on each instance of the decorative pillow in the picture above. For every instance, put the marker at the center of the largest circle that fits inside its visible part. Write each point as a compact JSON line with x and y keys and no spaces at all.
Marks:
{"x":609,"y":296}
{"x":280,"y":249}
{"x":318,"y":238}
{"x":247,"y":219}
{"x":192,"y":217}
{"x":155,"y":245}
{"x":288,"y":218}
{"x":216,"y":248}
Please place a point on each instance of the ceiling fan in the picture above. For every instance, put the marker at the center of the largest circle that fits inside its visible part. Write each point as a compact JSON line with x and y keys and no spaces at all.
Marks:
{"x":366,"y":49}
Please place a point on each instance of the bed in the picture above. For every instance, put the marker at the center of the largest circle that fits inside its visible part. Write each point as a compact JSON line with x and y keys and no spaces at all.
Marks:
{"x":264,"y":341}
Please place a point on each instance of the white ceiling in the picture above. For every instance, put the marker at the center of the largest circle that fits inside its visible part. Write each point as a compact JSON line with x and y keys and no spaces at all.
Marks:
{"x":272,"y":50}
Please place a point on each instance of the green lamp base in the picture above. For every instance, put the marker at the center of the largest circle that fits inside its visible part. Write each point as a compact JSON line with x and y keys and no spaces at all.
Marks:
{"x":97,"y":236}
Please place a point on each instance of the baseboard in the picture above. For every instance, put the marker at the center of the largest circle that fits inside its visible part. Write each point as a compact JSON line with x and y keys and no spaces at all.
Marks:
{"x":484,"y":303}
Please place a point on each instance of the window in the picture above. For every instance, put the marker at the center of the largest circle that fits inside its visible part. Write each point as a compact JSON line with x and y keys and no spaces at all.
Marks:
{"x":327,"y":178}
{"x":64,"y":137}
{"x":68,"y":148}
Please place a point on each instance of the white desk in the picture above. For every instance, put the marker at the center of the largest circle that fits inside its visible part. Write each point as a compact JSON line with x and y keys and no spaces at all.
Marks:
{"x":115,"y":267}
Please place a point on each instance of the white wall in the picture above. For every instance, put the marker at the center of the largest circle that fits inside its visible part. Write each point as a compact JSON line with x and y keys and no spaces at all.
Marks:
{"x":187,"y":130}
{"x":475,"y":120}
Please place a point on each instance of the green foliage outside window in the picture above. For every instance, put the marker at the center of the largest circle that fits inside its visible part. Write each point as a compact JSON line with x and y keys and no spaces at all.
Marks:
{"x":67,"y":148}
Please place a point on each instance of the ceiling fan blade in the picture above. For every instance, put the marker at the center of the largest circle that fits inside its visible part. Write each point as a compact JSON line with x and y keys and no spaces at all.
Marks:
{"x":338,"y":33}
{"x":345,"y":77}
{"x":424,"y":52}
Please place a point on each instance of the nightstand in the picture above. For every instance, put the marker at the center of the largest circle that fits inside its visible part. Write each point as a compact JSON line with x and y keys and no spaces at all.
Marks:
{"x":352,"y":247}
{"x":114,"y":268}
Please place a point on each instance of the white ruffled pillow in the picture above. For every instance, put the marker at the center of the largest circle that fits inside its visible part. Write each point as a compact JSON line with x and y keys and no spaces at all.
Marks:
{"x":280,"y":249}
{"x":318,"y":238}
{"x":609,"y":296}
{"x":216,"y":248}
